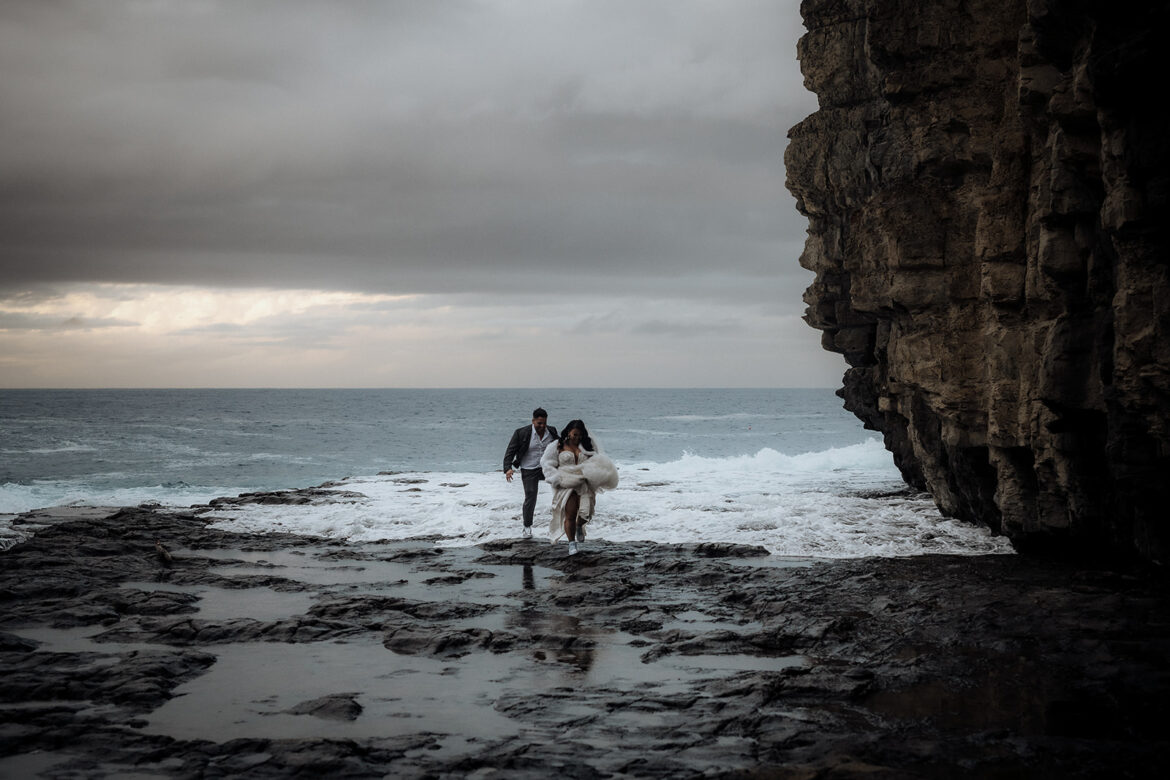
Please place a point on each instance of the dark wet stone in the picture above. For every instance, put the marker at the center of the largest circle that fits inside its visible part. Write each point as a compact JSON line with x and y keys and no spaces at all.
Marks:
{"x":728,"y":550}
{"x":456,"y":578}
{"x":409,"y":554}
{"x":155,"y":602}
{"x":933,"y":666}
{"x":297,"y":497}
{"x":361,"y":608}
{"x":84,"y":615}
{"x":139,"y":680}
{"x":184,"y":632}
{"x":640,"y":626}
{"x":337,"y":706}
{"x":10,"y":643}
{"x":424,"y":640}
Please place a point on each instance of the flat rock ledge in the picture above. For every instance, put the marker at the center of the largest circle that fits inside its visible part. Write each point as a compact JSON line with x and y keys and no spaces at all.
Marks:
{"x":281,"y":655}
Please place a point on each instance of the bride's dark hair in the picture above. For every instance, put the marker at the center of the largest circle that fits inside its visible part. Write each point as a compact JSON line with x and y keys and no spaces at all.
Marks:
{"x":586,"y":442}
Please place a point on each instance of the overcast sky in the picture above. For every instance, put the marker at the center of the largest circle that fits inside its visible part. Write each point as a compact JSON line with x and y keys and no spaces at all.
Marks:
{"x":413,"y":193}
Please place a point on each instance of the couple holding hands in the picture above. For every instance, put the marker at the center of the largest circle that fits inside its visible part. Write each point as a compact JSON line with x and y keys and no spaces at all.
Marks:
{"x":572,"y":463}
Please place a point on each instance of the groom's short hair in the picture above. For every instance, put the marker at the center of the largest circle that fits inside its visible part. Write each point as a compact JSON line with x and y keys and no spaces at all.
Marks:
{"x":538,"y":412}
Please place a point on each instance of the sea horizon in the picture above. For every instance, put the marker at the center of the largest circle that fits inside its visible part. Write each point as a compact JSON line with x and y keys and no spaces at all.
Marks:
{"x":424,"y":387}
{"x":787,"y":469}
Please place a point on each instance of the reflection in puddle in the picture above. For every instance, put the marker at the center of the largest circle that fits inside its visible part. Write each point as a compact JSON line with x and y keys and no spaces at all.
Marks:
{"x":560,"y":639}
{"x":251,"y":687}
{"x":599,"y":656}
{"x":423,"y":583}
{"x":399,"y":694}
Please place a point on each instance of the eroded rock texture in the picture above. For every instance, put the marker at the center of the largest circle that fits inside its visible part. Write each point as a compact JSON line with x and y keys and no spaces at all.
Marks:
{"x":986,"y":187}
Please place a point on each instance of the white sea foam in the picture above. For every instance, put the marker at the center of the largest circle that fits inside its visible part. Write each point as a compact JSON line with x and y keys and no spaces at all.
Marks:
{"x":813,"y":504}
{"x":16,"y":498}
{"x":65,"y":446}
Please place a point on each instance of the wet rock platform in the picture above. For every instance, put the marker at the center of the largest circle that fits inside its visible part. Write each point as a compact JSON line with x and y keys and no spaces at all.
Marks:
{"x":281,"y":655}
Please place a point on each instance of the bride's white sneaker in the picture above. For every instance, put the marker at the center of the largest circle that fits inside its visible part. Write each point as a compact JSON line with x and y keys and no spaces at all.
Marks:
{"x":572,"y":548}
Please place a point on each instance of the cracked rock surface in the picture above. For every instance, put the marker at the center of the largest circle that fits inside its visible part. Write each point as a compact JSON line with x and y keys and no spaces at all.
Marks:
{"x":279,"y":655}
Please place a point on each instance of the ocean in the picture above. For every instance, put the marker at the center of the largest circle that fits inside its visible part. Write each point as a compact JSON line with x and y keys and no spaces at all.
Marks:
{"x":787,"y":469}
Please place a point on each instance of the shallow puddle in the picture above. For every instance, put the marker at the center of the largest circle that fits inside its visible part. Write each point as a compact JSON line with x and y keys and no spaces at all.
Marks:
{"x":501,"y":588}
{"x":320,"y":572}
{"x":31,"y":764}
{"x":219,"y":604}
{"x":79,"y":640}
{"x":618,"y":662}
{"x":263,"y":604}
{"x":250,"y":686}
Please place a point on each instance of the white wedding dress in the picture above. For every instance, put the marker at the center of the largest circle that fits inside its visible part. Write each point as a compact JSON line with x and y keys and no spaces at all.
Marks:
{"x":592,"y":473}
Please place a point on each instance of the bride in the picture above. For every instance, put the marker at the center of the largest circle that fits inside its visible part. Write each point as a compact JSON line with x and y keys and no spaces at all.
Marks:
{"x":577,"y":470}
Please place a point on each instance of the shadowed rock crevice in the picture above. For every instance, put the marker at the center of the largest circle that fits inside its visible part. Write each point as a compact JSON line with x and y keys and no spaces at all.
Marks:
{"x":986,"y":186}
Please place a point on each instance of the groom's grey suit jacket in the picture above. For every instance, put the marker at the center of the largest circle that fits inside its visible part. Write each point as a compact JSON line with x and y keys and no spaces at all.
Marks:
{"x":519,"y":445}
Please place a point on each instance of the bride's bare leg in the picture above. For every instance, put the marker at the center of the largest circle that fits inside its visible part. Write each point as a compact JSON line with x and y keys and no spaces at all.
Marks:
{"x":572,"y":505}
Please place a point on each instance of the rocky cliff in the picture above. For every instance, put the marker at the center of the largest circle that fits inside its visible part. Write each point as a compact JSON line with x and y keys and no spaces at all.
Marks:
{"x":986,"y":188}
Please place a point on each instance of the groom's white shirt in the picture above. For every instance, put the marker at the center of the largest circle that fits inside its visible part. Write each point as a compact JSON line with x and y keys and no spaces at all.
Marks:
{"x":536,"y":445}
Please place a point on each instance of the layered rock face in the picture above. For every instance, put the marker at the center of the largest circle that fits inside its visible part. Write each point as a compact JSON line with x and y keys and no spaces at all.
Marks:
{"x":986,"y":187}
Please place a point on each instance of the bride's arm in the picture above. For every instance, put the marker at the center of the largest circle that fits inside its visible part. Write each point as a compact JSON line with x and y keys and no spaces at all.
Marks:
{"x":548,"y":464}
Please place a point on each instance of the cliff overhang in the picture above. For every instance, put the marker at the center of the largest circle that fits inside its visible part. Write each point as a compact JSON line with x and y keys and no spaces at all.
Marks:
{"x":986,"y":188}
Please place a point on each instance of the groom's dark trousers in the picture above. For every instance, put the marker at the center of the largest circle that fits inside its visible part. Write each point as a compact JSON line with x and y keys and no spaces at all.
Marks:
{"x":531,"y":478}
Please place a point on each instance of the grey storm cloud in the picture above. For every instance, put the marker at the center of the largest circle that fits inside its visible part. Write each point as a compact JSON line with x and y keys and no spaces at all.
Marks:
{"x":401,"y":147}
{"x":19,"y":321}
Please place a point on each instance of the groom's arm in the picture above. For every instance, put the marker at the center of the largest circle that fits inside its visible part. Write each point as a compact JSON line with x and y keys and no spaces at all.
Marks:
{"x":513,"y":448}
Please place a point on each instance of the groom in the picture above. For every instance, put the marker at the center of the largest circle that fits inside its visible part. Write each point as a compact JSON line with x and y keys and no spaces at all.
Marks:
{"x":524,"y":450}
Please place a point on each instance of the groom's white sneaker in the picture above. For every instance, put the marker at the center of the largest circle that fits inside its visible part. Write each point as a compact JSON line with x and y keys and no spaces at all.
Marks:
{"x":572,"y":548}
{"x":527,"y":533}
